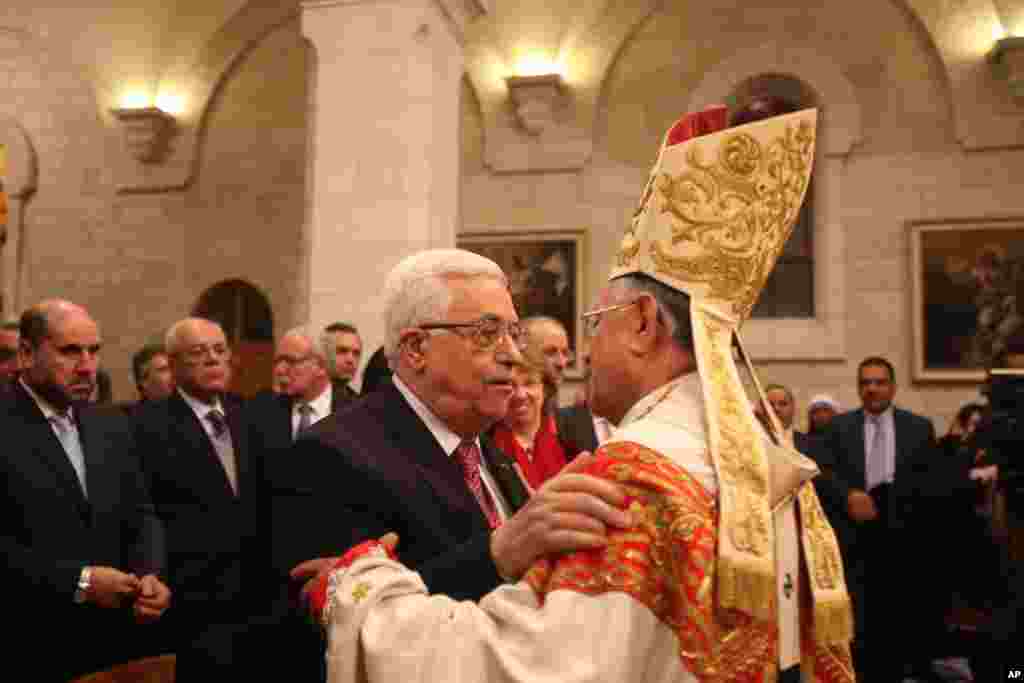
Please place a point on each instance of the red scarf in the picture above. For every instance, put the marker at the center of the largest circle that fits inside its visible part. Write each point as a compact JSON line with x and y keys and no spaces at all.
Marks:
{"x":548,"y":454}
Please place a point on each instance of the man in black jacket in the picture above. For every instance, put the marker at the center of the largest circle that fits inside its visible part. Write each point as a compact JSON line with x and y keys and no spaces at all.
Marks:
{"x":82,"y":548}
{"x":881,"y":486}
{"x":194,"y":453}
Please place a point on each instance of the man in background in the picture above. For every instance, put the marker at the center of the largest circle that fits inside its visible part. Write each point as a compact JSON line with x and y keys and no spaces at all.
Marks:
{"x":152,"y":372}
{"x":82,"y":548}
{"x":8,"y":355}
{"x":549,"y":335}
{"x":343,"y":348}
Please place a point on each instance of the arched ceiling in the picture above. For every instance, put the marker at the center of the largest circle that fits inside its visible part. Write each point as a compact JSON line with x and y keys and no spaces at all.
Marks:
{"x":181,"y":49}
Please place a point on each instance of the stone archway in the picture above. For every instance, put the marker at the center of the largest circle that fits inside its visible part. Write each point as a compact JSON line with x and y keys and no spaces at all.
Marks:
{"x":822,"y":337}
{"x":244,"y":312}
{"x":18,"y":184}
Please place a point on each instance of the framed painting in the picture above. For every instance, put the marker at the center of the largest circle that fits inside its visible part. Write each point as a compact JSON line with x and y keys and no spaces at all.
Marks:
{"x":545,"y":272}
{"x":968,"y":293}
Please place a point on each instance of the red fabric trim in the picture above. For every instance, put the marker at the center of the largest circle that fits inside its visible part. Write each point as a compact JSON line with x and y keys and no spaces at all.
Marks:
{"x":318,"y":596}
{"x":696,"y":124}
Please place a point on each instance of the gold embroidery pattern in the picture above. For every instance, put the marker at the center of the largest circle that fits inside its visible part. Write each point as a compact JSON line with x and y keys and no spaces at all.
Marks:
{"x":827,"y":564}
{"x":667,"y":562}
{"x":740,"y":452}
{"x":739,"y":211}
{"x":828,"y":663}
{"x":360,"y":591}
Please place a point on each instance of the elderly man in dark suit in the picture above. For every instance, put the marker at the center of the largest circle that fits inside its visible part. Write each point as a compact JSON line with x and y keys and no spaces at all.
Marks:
{"x":409,"y":457}
{"x":82,"y":547}
{"x":881,"y":484}
{"x":194,"y":452}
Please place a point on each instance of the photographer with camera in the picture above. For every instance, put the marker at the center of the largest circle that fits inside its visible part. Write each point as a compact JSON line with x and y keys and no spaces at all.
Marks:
{"x":1001,"y":439}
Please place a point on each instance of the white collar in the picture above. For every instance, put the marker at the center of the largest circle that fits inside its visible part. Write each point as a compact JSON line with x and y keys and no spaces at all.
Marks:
{"x":321,"y":405}
{"x":691,"y":393}
{"x":45,"y":406}
{"x":448,"y":439}
{"x":198,"y":407}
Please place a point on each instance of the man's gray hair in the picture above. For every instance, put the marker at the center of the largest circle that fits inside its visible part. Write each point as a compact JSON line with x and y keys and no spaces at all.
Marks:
{"x":172,"y":339}
{"x":416,"y":292}
{"x":314,"y":348}
{"x":673,"y":305}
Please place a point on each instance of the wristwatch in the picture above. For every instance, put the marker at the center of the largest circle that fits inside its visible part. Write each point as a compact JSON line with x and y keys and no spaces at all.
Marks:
{"x":84,"y":583}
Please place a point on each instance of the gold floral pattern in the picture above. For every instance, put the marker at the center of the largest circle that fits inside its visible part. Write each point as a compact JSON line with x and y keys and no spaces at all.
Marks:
{"x":738,"y":212}
{"x":667,"y":562}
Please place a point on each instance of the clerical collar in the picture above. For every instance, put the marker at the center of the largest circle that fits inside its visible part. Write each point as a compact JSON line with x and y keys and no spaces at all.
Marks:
{"x":688,"y":383}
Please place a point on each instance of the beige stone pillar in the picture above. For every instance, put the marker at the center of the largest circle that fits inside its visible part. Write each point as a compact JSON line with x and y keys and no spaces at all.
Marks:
{"x":384,"y":146}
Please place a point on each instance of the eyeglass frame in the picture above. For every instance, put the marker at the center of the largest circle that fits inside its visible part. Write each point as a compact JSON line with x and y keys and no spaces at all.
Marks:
{"x":519,"y":339}
{"x":591,"y":319}
{"x":292,"y":362}
{"x":199,"y":352}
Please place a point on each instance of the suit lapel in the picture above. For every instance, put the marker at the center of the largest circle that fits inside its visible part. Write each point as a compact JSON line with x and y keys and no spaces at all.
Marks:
{"x":48,"y":448}
{"x":233,"y":415}
{"x":513,"y":490}
{"x":416,"y":441}
{"x":859,"y":463}
{"x":196,"y":440}
{"x":94,"y":451}
{"x":901,"y":437}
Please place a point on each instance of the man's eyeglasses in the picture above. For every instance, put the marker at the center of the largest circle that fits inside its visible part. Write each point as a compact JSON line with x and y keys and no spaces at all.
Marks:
{"x":198,"y":353}
{"x":291,"y":361}
{"x":591,"y":319}
{"x":486,"y":332}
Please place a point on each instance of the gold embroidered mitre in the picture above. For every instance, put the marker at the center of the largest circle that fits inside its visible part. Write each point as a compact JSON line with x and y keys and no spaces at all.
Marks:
{"x":714,"y":217}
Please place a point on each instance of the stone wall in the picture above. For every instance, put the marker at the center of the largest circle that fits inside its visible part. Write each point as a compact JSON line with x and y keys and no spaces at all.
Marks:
{"x":907,"y":166}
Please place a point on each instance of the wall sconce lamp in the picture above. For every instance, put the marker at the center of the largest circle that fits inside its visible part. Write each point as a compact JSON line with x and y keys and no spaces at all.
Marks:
{"x":146,"y":131}
{"x":1007,"y":60}
{"x":535,"y":99}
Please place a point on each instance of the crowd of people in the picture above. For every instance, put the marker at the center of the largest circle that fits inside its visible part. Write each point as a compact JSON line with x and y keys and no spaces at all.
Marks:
{"x":453,"y":522}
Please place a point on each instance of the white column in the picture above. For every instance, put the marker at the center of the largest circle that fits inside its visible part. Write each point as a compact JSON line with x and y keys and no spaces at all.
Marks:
{"x":384,"y":154}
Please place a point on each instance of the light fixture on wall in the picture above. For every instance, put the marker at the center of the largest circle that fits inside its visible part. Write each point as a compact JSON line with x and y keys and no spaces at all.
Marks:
{"x":1007,"y":60}
{"x":535,"y":99}
{"x":146,"y":131}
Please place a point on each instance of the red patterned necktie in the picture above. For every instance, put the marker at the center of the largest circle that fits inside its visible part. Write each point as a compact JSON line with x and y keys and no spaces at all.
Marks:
{"x":468,"y":456}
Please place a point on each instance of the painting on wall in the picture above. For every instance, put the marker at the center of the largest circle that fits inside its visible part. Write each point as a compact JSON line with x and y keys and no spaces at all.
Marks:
{"x":545,"y":272}
{"x":4,"y":212}
{"x":968,"y":293}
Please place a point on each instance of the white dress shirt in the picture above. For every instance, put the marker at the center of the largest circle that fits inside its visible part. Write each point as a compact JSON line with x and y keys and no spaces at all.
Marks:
{"x":222,"y":443}
{"x":882,"y":470}
{"x":321,"y":408}
{"x":70,"y":440}
{"x":449,"y":441}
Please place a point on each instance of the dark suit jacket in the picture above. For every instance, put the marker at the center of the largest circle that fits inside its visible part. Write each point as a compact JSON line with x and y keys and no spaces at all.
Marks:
{"x":576,"y":430}
{"x":341,"y":394}
{"x":880,"y":550}
{"x":376,"y":468}
{"x":49,"y":530}
{"x":208,"y":527}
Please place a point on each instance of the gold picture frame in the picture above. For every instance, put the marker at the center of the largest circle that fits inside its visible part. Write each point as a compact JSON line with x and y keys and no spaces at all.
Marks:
{"x":967,"y":294}
{"x":546,"y":274}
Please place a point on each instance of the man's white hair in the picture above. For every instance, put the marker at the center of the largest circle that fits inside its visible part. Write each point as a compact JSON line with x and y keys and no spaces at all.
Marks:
{"x":416,"y":290}
{"x":303,"y":332}
{"x":173,"y":337}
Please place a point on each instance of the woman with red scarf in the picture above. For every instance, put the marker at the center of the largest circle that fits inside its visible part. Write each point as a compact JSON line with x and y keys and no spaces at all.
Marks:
{"x":527,"y":433}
